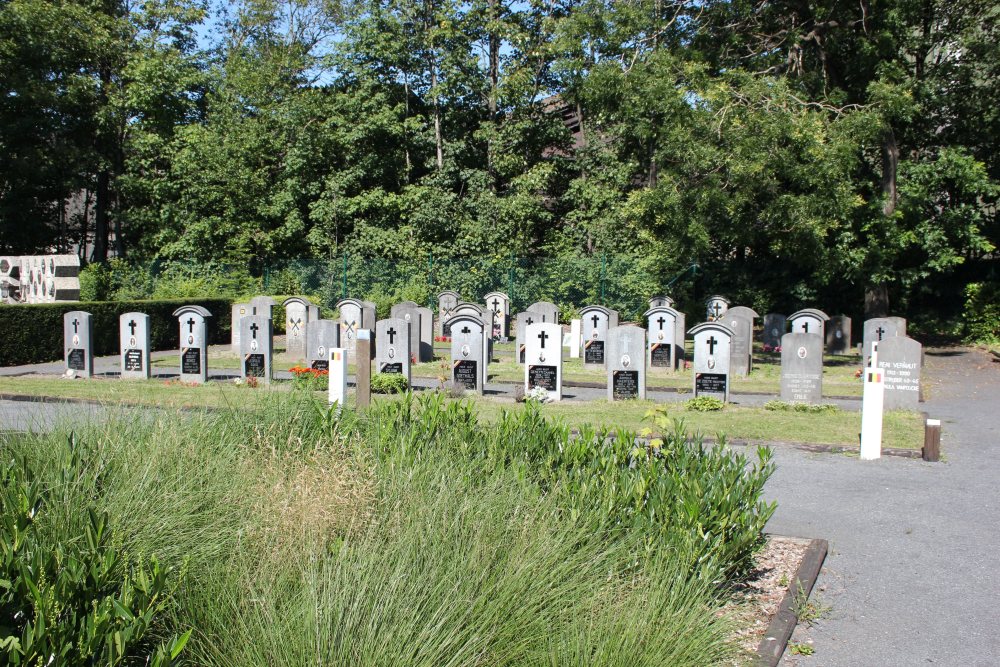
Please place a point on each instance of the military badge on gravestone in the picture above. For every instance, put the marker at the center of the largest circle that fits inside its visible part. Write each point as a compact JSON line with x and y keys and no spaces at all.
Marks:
{"x":802,"y":353}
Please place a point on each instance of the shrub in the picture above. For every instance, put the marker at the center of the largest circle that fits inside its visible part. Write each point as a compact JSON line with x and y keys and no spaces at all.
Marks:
{"x":389,"y":383}
{"x":34,"y":332}
{"x":982,"y":313}
{"x":704,"y":404}
{"x":782,"y":406}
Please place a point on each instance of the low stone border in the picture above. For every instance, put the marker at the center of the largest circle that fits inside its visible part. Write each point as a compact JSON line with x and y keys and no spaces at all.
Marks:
{"x":779,"y":631}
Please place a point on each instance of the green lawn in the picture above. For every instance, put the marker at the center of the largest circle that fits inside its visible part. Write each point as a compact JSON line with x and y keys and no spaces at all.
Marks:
{"x":902,"y":429}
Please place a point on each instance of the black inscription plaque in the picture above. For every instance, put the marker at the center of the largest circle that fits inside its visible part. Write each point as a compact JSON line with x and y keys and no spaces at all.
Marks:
{"x":625,"y":385}
{"x":321,"y":365}
{"x":594,"y":353}
{"x":466,"y":373}
{"x":253,"y":365}
{"x":133,"y":360}
{"x":395,"y":367}
{"x":659,"y":355}
{"x":710,"y":383}
{"x":191,"y":361}
{"x":542,"y":376}
{"x":77,"y":361}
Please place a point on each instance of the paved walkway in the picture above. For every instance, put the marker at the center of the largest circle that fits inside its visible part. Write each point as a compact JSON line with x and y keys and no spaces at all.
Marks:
{"x":913,"y":575}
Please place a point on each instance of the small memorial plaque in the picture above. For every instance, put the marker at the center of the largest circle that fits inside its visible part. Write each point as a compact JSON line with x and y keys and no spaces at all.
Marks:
{"x":133,"y":361}
{"x":593,"y":352}
{"x":76,"y":360}
{"x":321,"y":365}
{"x":465,"y":373}
{"x":396,"y":367}
{"x":254,"y":365}
{"x":191,"y":361}
{"x":625,"y":385}
{"x":660,"y":355}
{"x":710,"y":383}
{"x":545,"y":377}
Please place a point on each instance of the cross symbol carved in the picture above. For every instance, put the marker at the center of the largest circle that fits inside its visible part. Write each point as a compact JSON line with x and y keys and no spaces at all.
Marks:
{"x":711,"y":345}
{"x":880,"y":331}
{"x":191,"y":322}
{"x":76,"y":326}
{"x":391,"y":332}
{"x":131,"y":326}
{"x":254,"y":328}
{"x":542,"y":336}
{"x":466,"y":330}
{"x":660,"y":322}
{"x":595,"y":319}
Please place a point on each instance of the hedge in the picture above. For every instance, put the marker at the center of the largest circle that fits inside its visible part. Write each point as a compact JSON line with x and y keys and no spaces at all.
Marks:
{"x":34,"y":333}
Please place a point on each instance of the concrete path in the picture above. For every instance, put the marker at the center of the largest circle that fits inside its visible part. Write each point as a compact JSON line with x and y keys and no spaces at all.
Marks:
{"x":913,"y":575}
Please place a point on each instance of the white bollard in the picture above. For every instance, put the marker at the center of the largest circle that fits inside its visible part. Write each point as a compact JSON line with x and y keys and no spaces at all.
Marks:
{"x":338,"y":376}
{"x":871,"y":413}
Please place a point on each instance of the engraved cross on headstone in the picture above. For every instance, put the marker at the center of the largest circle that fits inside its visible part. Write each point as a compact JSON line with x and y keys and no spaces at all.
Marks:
{"x":716,"y":308}
{"x":711,"y":345}
{"x":253,"y":328}
{"x":880,"y":331}
{"x":805,"y":327}
{"x":391,"y":332}
{"x":131,"y":326}
{"x":466,"y":330}
{"x":542,"y":336}
{"x":191,"y":322}
{"x":661,"y":321}
{"x":76,"y":326}
{"x":595,"y":319}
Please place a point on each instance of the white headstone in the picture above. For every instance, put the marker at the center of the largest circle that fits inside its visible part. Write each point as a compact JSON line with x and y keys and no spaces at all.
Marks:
{"x":596,"y":321}
{"x":392,"y":344}
{"x":626,"y":363}
{"x":712,"y":344}
{"x":193,"y":343}
{"x":240,"y":310}
{"x":78,"y":342}
{"x":661,"y":322}
{"x":256,"y":348}
{"x":133,"y":333}
{"x":543,"y":359}
{"x":468,"y":367}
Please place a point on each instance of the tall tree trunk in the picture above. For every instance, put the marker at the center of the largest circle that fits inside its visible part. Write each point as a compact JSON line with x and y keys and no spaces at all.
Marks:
{"x":877,"y":296}
{"x":101,"y":217}
{"x":406,"y":131}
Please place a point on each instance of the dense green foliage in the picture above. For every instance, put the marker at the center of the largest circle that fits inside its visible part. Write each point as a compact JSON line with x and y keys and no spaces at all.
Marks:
{"x":388,"y":383}
{"x":34,"y":333}
{"x":800,"y":153}
{"x":413,"y":533}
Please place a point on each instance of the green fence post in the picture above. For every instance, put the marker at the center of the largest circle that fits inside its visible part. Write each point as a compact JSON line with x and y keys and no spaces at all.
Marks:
{"x":430,"y":280}
{"x":604,"y":274}
{"x":343,"y":289}
{"x":510,"y":278}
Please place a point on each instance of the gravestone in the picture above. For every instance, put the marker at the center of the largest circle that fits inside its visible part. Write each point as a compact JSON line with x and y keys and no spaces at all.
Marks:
{"x":369,"y":315}
{"x":312,"y":312}
{"x":193,"y":343}
{"x":740,"y":319}
{"x":548,"y":311}
{"x":774,"y":328}
{"x":393,"y":338}
{"x":661,"y":323}
{"x":426,"y":334}
{"x":712,"y":343}
{"x":626,"y":363}
{"x":467,"y":347}
{"x":680,"y":330}
{"x":521,"y":322}
{"x":801,"y":368}
{"x":296,"y":319}
{"x":410,"y":313}
{"x":321,"y":337}
{"x":596,"y":322}
{"x":351,"y":316}
{"x":256,"y":347}
{"x":447,"y":301}
{"x":499,"y":304}
{"x":239,"y":310}
{"x":78,"y":335}
{"x":263,"y":305}
{"x":900,"y":358}
{"x":900,"y":323}
{"x":575,"y":338}
{"x":133,"y":333}
{"x":838,"y":335}
{"x":543,"y":358}
{"x":876,"y":330}
{"x":715,"y":307}
{"x":661,"y":301}
{"x":808,"y":320}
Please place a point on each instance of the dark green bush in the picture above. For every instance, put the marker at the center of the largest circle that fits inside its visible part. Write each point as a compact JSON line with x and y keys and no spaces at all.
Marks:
{"x":982,"y":313}
{"x":388,"y":383}
{"x":34,"y":333}
{"x":79,"y":600}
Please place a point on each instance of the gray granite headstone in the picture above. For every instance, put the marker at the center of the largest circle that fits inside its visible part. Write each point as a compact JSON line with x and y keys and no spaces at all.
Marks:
{"x":426,"y":334}
{"x":838,"y":335}
{"x":521,"y":322}
{"x":321,"y":337}
{"x":296,"y":319}
{"x":626,"y":363}
{"x":369,"y":315}
{"x":239,"y":310}
{"x":774,"y":328}
{"x":901,"y":358}
{"x":256,"y":348}
{"x":351,"y":316}
{"x":808,"y":320}
{"x":680,"y":331}
{"x":900,"y":323}
{"x":410,"y":313}
{"x":263,"y":305}
{"x":133,"y":334}
{"x":715,"y":307}
{"x":595,"y":321}
{"x":193,"y":343}
{"x":393,"y":339}
{"x":661,"y":301}
{"x":877,"y":330}
{"x":740,"y":319}
{"x":712,"y":343}
{"x":661,"y":322}
{"x":447,"y":301}
{"x":802,"y":368}
{"x":499,"y":304}
{"x":543,"y":358}
{"x":78,"y":337}
{"x":548,"y":311}
{"x":467,"y":347}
